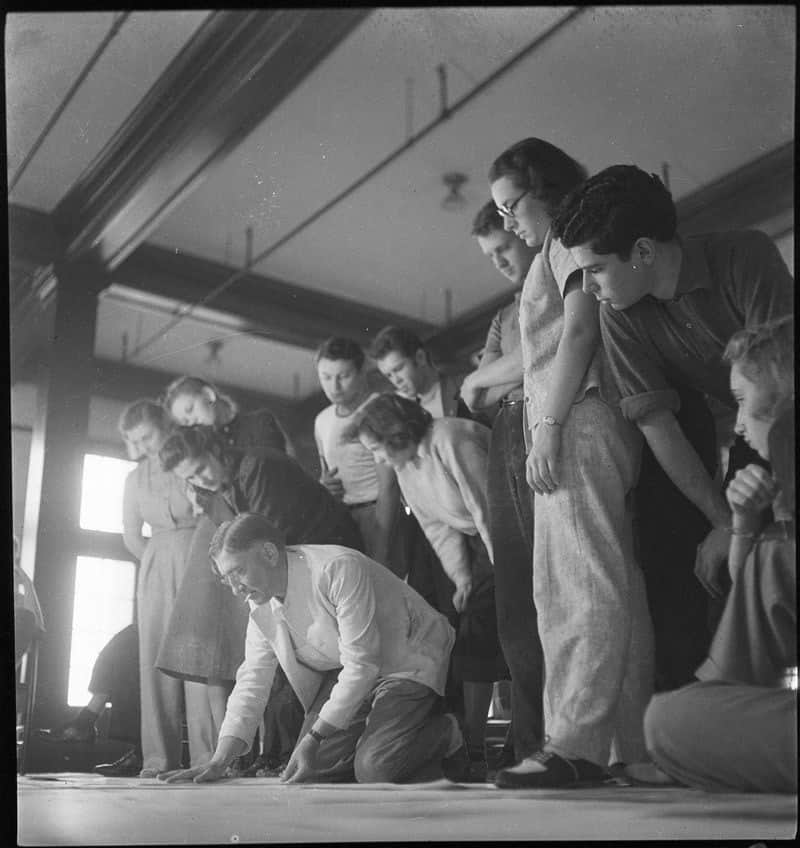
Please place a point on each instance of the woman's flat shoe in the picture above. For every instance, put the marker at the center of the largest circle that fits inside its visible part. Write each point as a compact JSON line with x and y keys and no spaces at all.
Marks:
{"x":559,"y":773}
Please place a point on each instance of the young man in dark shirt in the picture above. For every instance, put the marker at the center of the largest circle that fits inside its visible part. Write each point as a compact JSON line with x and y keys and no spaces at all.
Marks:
{"x":668,"y":307}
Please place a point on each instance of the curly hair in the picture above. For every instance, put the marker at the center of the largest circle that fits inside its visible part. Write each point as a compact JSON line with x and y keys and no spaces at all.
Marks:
{"x":765,"y":354}
{"x":391,"y":420}
{"x":487,"y":220}
{"x":338,"y":347}
{"x":191,"y":443}
{"x":542,"y":168}
{"x":391,"y":339}
{"x":613,"y":209}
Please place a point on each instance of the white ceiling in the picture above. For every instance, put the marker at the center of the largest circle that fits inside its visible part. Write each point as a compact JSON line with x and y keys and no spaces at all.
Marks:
{"x":704,"y":89}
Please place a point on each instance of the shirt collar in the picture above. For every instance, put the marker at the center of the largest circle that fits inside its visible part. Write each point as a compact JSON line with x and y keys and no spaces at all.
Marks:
{"x":694,"y":273}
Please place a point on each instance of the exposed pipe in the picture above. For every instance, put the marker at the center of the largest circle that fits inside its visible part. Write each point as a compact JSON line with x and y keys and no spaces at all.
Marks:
{"x":115,"y":27}
{"x":442,"y":71}
{"x":459,"y":104}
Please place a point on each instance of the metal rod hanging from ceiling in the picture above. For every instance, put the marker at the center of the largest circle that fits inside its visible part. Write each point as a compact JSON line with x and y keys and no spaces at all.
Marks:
{"x":115,"y":27}
{"x":459,"y":104}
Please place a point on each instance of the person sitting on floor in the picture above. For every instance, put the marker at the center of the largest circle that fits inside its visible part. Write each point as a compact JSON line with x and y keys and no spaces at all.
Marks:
{"x":115,"y":680}
{"x":366,"y":655}
{"x":736,"y":729}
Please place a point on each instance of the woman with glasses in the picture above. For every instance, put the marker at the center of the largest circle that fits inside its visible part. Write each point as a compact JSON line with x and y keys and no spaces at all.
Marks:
{"x":154,"y":496}
{"x":582,"y":464}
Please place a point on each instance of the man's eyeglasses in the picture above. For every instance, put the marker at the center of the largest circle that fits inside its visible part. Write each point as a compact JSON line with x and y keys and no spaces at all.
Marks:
{"x":230,"y":578}
{"x":507,"y":210}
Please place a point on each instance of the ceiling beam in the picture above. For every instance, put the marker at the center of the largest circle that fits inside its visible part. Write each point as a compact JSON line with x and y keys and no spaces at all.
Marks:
{"x":125,"y":382}
{"x":759,"y":194}
{"x":267,"y":307}
{"x":235,"y":70}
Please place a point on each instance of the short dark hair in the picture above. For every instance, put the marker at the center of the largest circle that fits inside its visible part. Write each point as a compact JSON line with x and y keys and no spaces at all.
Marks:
{"x":338,"y":347}
{"x":392,"y":420}
{"x":191,"y":443}
{"x":242,"y":532}
{"x":613,"y":209}
{"x":542,"y":168}
{"x":391,"y":339}
{"x":487,"y":220}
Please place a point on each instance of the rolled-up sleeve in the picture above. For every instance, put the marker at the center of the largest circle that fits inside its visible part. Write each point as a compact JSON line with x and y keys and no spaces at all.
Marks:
{"x":640,"y":378}
{"x":254,"y":679}
{"x":348,"y":586}
{"x":492,"y":349}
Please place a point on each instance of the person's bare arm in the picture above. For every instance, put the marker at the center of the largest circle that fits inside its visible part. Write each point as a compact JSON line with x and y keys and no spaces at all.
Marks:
{"x":580,"y":337}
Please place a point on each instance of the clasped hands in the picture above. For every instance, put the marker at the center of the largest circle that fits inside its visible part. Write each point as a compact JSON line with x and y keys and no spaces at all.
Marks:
{"x":750,"y":492}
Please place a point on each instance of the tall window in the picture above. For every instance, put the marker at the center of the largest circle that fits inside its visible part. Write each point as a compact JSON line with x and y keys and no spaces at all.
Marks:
{"x":105,"y":586}
{"x":104,"y":594}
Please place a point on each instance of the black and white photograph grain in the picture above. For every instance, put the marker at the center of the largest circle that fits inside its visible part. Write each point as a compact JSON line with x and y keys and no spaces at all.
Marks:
{"x":402,"y":425}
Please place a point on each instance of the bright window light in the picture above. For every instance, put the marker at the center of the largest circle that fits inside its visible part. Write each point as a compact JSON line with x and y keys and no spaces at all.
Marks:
{"x":104,"y":595}
{"x":101,"y":493}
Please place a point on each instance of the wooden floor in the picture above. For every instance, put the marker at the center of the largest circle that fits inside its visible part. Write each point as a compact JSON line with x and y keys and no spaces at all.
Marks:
{"x":84,"y":809}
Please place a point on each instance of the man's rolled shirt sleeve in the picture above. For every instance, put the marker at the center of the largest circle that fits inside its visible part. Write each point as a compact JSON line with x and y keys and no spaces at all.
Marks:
{"x":254,"y":679}
{"x":348,"y":586}
{"x":639,"y":376}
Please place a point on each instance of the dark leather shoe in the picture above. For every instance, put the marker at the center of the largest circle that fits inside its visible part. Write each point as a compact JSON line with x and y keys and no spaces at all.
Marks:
{"x":559,"y":773}
{"x":128,"y":765}
{"x":69,"y":733}
{"x":456,"y":766}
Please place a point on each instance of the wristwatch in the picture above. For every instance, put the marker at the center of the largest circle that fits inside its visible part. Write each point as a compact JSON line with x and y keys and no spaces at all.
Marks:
{"x":550,"y":421}
{"x":314,"y":734}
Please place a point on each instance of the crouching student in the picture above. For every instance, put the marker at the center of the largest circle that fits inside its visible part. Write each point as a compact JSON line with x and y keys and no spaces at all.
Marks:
{"x":441,"y":468}
{"x":737,"y":728}
{"x":365,"y":654}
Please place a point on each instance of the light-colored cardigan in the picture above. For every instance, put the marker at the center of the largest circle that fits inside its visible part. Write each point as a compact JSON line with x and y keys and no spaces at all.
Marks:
{"x":445,"y":487}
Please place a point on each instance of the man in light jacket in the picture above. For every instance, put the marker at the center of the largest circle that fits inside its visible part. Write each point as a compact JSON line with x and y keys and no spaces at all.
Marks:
{"x":354,"y":641}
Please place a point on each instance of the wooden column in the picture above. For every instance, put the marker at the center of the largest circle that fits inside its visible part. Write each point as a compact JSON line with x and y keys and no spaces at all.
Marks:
{"x":55,"y":467}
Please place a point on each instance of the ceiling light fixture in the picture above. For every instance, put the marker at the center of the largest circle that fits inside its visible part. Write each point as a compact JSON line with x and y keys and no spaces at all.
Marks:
{"x":454,"y":200}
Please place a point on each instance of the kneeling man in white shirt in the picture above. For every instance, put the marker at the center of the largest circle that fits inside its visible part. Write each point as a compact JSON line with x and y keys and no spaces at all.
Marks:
{"x":366,"y":655}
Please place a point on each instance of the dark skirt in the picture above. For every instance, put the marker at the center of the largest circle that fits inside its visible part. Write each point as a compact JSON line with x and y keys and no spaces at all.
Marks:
{"x":206,"y":632}
{"x":477,"y":655}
